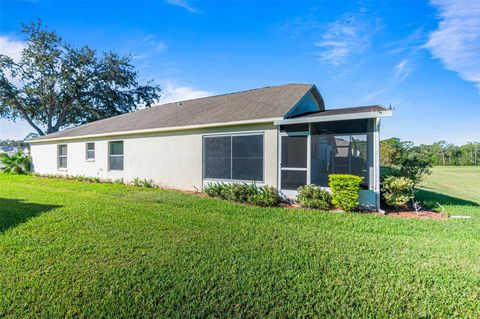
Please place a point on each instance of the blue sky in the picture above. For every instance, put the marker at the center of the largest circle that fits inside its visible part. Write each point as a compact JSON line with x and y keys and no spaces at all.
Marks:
{"x":422,"y":57}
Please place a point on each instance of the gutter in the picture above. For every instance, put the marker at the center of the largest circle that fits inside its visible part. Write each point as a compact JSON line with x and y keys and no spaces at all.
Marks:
{"x":336,"y":117}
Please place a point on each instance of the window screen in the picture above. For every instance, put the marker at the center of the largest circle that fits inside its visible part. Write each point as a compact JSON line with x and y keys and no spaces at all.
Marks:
{"x":217,"y":157}
{"x":238,"y":157}
{"x":338,"y":154}
{"x":247,"y":157}
{"x":90,"y":151}
{"x":294,"y":151}
{"x":62,"y":156}
{"x":116,"y":156}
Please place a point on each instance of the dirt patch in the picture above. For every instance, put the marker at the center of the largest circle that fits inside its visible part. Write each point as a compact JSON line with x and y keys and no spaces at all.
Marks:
{"x":413,"y":214}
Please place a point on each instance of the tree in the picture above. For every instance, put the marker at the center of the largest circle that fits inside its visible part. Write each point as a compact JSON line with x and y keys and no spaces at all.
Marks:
{"x":63,"y":86}
{"x":390,"y":151}
{"x":404,"y":159}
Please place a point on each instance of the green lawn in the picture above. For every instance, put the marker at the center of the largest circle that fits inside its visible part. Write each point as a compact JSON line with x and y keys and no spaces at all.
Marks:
{"x":459,"y":181}
{"x":69,"y":249}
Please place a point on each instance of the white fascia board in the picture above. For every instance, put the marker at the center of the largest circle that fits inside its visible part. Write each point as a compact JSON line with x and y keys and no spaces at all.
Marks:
{"x":336,"y":117}
{"x":158,"y":130}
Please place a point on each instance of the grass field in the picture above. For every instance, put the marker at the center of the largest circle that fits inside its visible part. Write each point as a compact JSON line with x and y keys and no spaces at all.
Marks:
{"x":462,"y":182}
{"x":69,"y":249}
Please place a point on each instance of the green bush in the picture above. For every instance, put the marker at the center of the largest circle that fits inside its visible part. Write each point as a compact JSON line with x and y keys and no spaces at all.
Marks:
{"x":345,"y":188}
{"x":18,"y":163}
{"x":312,"y":196}
{"x":397,"y":191}
{"x":266,"y":196}
{"x":244,"y":193}
{"x":240,"y":192}
{"x":216,"y":190}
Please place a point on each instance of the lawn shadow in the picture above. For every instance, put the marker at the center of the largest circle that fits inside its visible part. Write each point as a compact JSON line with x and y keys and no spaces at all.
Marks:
{"x":17,"y":211}
{"x":430,"y":199}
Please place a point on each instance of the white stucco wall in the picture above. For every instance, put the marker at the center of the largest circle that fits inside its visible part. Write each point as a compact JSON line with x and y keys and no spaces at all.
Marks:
{"x":171,"y":159}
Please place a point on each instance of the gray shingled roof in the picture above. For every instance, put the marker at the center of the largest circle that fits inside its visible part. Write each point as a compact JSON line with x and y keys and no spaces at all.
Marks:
{"x":268,"y":102}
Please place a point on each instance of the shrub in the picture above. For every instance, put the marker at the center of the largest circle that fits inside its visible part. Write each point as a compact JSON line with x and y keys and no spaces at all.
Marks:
{"x":312,"y":196}
{"x":266,"y":196}
{"x":147,"y":183}
{"x":397,"y":191}
{"x":216,"y":190}
{"x":244,"y":193}
{"x":240,"y":192}
{"x":18,"y":163}
{"x":345,"y":188}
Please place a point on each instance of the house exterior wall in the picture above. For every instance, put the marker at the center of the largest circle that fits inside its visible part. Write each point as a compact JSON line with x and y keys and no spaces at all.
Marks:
{"x":171,"y":159}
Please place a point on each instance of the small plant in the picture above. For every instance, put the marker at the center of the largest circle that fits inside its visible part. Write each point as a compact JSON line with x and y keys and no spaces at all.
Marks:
{"x":137,"y":182}
{"x":313,"y":196}
{"x":244,"y":193}
{"x":345,"y":188}
{"x":397,"y":191}
{"x":215,"y":189}
{"x":266,"y":196}
{"x":149,"y":183}
{"x":241,"y":192}
{"x":18,"y":163}
{"x":146,"y":183}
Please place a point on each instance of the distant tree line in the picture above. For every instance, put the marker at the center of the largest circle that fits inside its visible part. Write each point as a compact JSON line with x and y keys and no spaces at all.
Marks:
{"x":438,"y":153}
{"x":13,"y":143}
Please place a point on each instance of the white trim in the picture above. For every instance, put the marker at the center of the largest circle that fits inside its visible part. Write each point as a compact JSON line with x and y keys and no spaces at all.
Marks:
{"x":294,"y":168}
{"x":337,"y":117}
{"x":158,"y":130}
{"x":376,"y":160}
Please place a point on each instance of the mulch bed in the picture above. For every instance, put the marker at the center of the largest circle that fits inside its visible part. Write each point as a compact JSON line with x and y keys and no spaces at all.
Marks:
{"x":394,"y":214}
{"x":412,"y":214}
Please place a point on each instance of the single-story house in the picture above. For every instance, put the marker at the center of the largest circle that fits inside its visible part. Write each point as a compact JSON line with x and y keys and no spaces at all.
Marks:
{"x":280,"y":136}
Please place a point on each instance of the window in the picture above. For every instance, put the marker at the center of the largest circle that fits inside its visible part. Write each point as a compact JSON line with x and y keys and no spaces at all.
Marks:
{"x":90,"y":151}
{"x":236,"y":157}
{"x":62,"y":156}
{"x":115,"y":156}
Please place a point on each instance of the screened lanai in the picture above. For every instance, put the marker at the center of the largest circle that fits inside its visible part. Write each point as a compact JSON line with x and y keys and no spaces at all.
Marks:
{"x":342,"y":141}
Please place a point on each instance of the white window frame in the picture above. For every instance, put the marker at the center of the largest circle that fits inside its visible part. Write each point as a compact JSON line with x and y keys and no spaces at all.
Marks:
{"x":62,"y":156}
{"x":231,"y":135}
{"x":88,"y":159}
{"x":110,"y":155}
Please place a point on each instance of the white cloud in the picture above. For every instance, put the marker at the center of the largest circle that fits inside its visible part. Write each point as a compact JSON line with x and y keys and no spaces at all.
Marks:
{"x":456,"y":42}
{"x":11,"y":48}
{"x":401,"y":71}
{"x":183,"y":4}
{"x":347,"y":36}
{"x":171,"y":92}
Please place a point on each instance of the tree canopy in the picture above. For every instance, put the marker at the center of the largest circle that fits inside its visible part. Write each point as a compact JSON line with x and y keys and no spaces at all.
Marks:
{"x":54,"y":84}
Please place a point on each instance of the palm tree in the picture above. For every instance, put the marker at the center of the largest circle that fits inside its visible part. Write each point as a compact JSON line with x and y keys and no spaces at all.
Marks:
{"x":18,"y":163}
